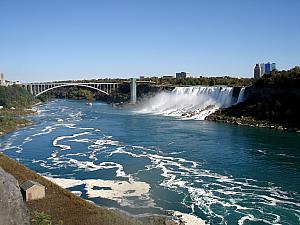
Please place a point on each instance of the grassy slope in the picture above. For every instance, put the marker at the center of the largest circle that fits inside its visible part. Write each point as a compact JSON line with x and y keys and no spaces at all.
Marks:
{"x":61,"y":204}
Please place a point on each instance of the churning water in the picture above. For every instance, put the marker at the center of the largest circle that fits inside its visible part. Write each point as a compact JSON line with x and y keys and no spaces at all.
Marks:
{"x":191,"y":102}
{"x":144,"y":163}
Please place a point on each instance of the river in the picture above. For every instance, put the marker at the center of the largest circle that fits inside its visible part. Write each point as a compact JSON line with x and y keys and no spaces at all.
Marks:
{"x":147,"y":163}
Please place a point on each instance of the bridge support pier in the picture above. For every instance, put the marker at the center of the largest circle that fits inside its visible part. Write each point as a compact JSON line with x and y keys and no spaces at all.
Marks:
{"x":133,"y":90}
{"x":29,"y":88}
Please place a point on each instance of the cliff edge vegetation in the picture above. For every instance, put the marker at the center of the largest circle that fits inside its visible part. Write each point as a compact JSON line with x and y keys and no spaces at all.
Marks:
{"x":14,"y":103}
{"x":272,"y":101}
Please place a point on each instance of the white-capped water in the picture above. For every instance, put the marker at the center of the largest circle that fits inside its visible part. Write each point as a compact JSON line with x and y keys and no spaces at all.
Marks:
{"x":191,"y":102}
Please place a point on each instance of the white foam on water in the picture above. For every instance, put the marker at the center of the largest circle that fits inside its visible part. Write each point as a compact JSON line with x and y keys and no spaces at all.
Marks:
{"x":86,"y":128}
{"x":90,"y":166}
{"x":26,"y":140}
{"x":75,"y":116}
{"x":262,"y":151}
{"x":101,"y":142}
{"x":70,"y":125}
{"x":178,"y":173}
{"x":46,"y":130}
{"x":20,"y":148}
{"x":66,"y":147}
{"x":187,"y":219}
{"x":78,"y":193}
{"x":114,"y":190}
{"x":8,"y":145}
{"x":243,"y":220}
{"x":85,"y":140}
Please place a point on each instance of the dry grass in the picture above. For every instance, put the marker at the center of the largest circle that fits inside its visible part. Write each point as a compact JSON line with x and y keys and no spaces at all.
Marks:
{"x":61,"y":204}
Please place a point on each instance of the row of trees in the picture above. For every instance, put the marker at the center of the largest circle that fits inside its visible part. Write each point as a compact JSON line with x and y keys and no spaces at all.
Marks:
{"x":208,"y":81}
{"x":205,"y":81}
{"x":15,"y":96}
{"x":69,"y":92}
{"x":280,"y":79}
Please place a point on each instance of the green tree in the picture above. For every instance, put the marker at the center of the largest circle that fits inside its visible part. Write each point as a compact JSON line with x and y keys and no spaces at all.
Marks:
{"x":41,"y":218}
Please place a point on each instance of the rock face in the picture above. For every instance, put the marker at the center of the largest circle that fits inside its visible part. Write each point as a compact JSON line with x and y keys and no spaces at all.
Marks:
{"x":13,"y":210}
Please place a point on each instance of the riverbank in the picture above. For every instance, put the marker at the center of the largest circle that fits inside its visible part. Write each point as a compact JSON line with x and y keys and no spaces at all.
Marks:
{"x":274,"y":111}
{"x":11,"y":119}
{"x":220,"y":116}
{"x":61,"y":204}
{"x":15,"y":103}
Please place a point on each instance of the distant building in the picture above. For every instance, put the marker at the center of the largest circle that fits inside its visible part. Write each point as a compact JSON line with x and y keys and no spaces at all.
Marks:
{"x":167,"y":76}
{"x":183,"y":75}
{"x":2,"y":80}
{"x":142,"y":77}
{"x":262,"y":69}
{"x":273,"y":67}
{"x":32,"y":190}
{"x":265,"y":69}
{"x":269,"y":67}
{"x":257,"y":71}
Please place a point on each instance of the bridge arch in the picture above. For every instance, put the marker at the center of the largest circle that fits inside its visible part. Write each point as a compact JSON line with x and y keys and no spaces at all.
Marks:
{"x":67,"y":85}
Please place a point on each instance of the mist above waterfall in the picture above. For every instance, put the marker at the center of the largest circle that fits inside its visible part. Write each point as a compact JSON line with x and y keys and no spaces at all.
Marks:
{"x":190,"y":102}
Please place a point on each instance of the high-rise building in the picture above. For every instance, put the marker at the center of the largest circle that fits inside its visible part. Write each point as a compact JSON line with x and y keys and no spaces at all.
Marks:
{"x":262,"y":69}
{"x":269,"y":67}
{"x":257,"y":71}
{"x":265,"y":68}
{"x":183,"y":75}
{"x":273,"y":66}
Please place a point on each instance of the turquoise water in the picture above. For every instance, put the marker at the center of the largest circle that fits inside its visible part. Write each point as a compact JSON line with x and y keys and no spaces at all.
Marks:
{"x":220,"y":173}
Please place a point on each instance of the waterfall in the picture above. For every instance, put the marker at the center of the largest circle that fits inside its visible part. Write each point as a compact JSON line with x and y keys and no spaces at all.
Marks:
{"x":241,"y":97}
{"x":195,"y":102}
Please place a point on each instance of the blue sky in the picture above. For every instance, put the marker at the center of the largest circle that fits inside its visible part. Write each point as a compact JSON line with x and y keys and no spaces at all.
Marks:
{"x":57,"y":40}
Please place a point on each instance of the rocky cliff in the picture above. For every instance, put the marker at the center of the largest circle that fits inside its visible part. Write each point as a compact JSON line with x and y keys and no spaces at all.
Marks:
{"x":13,"y":210}
{"x":273,"y":107}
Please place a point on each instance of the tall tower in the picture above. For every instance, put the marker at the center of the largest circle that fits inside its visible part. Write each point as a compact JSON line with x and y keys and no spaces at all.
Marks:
{"x":273,"y":66}
{"x":2,"y":81}
{"x":268,"y":68}
{"x":132,"y":90}
{"x":257,"y":71}
{"x":262,"y":69}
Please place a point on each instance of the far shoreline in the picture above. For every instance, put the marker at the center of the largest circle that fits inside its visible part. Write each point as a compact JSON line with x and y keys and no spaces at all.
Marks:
{"x":218,"y":117}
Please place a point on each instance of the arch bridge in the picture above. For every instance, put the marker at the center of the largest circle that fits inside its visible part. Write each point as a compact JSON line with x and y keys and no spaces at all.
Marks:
{"x":37,"y":89}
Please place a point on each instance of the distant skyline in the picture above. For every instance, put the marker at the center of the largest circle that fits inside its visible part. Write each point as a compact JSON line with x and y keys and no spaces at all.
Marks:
{"x":61,"y":40}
